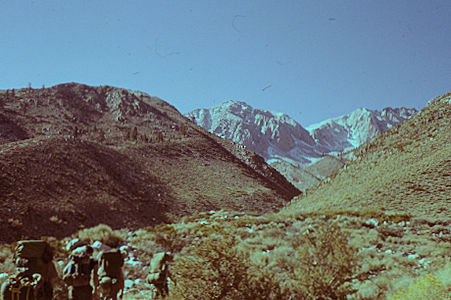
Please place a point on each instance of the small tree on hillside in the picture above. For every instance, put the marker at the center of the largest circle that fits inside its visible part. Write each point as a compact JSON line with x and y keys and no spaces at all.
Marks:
{"x":134,"y":134}
{"x":75,"y":132}
{"x":159,"y":137}
{"x":100,"y":135}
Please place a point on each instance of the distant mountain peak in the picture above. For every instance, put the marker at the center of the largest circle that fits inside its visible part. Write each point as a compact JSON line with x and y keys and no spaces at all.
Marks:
{"x":360,"y":126}
{"x":271,"y":134}
{"x":234,"y":102}
{"x":275,"y":135}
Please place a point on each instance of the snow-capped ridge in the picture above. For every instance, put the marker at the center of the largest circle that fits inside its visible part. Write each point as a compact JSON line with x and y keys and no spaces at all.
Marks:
{"x":360,"y":126}
{"x":276,"y":136}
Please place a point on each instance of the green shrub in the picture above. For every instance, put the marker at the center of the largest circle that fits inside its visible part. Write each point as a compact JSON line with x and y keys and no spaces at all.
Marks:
{"x":102,"y":233}
{"x":426,"y":287}
{"x":217,"y":270}
{"x":319,"y":265}
{"x":326,"y":263}
{"x":6,"y":259}
{"x":167,"y":237}
{"x":213,"y":270}
{"x":6,"y":251}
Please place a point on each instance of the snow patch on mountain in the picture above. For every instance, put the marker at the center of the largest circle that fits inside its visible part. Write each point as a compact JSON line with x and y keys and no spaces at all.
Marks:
{"x":362,"y":125}
{"x":270,"y":134}
{"x":276,"y":136}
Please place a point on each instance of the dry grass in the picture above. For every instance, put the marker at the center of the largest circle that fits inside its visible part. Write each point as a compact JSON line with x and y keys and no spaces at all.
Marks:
{"x":435,"y":285}
{"x":407,"y":168}
{"x":299,"y":176}
{"x":325,"y":166}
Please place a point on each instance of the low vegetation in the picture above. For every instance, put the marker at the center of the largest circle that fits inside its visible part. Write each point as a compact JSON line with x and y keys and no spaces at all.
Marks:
{"x":405,"y":169}
{"x":321,"y":255}
{"x":102,"y":233}
{"x":429,"y":286}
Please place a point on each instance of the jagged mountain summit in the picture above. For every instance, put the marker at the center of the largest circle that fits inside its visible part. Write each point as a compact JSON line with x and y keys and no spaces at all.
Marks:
{"x":357,"y":128}
{"x":276,"y":136}
{"x":74,"y":156}
{"x":270,"y":134}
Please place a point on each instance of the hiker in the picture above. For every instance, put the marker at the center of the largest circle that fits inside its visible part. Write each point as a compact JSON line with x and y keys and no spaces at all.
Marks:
{"x":35,"y":272}
{"x":110,"y":275}
{"x":80,"y":271}
{"x":159,"y":275}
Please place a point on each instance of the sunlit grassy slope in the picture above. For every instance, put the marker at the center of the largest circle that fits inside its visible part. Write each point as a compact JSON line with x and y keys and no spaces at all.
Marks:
{"x":406,"y":169}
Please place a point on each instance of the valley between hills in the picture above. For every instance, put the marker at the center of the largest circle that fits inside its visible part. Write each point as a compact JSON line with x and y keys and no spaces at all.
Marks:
{"x":125,"y":168}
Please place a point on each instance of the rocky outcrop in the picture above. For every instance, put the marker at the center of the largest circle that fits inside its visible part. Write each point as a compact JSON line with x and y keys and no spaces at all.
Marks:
{"x":270,"y":134}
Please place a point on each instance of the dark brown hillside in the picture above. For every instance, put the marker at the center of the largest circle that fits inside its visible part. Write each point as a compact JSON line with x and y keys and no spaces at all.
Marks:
{"x":105,"y":114}
{"x":74,"y":155}
{"x":53,"y":186}
{"x":406,"y":169}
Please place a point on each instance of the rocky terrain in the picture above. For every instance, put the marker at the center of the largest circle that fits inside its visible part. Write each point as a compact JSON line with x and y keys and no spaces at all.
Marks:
{"x":73,"y":156}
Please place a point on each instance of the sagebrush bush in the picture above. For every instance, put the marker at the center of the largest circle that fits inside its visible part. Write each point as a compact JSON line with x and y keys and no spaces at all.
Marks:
{"x":213,"y":270}
{"x":326,"y":263}
{"x":168,"y":237}
{"x":144,"y":243}
{"x":320,"y":264}
{"x":102,"y":233}
{"x":426,"y":287}
{"x":5,"y":253}
{"x":216,"y":269}
{"x":6,"y":262}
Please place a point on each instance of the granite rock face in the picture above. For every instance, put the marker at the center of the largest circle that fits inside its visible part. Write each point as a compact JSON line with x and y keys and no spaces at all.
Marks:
{"x":276,"y":136}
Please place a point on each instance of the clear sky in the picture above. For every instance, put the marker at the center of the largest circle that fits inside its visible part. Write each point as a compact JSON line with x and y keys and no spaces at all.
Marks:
{"x":310,"y":59}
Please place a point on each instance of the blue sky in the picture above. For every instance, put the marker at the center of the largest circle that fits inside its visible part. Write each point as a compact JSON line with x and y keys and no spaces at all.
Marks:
{"x":310,"y":59}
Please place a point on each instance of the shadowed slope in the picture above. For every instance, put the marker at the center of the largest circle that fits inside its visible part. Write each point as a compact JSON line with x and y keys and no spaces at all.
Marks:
{"x":74,"y":155}
{"x":54,"y":186}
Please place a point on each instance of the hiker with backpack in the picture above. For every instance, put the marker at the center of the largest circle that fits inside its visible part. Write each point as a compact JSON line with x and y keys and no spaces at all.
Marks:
{"x":110,"y":275}
{"x":35,"y":272}
{"x":79,"y":272}
{"x":159,"y":275}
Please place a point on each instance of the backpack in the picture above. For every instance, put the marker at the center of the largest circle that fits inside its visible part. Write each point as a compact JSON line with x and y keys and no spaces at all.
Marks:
{"x":110,"y":278}
{"x":26,"y":288}
{"x":158,"y":268}
{"x":77,"y":273}
{"x":29,"y":282}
